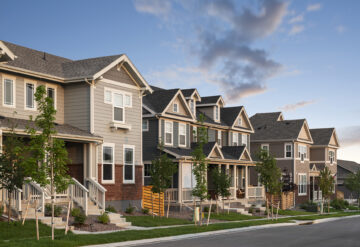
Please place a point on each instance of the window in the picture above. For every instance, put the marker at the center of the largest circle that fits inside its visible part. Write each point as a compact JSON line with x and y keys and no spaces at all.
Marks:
{"x":288,"y":150}
{"x":128,"y":100}
{"x":302,"y":184}
{"x":108,"y":164}
{"x":219,"y":133}
{"x":302,"y":152}
{"x":195,"y":134}
{"x":192,"y":106}
{"x":118,"y":108}
{"x":235,"y":139}
{"x":169,"y":133}
{"x":175,"y":107}
{"x":147,"y":170}
{"x":51,"y":93}
{"x":332,"y":157}
{"x":9,"y":92}
{"x":216,"y":113}
{"x":145,"y":125}
{"x":108,"y":96}
{"x":265,"y":147}
{"x":240,"y":122}
{"x":182,"y":135}
{"x":29,"y":94}
{"x":129,"y":165}
{"x":244,"y":139}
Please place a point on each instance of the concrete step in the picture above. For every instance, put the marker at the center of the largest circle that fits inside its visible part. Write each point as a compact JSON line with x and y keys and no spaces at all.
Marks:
{"x":118,"y":220}
{"x":124,"y":224}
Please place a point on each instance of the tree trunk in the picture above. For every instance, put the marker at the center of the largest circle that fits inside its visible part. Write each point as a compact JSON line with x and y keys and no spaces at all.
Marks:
{"x":223,"y":202}
{"x":52,"y":202}
{"x":9,"y":208}
{"x":217,"y":206}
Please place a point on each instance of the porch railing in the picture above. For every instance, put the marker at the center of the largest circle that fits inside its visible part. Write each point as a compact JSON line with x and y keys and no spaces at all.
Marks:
{"x":187,"y":195}
{"x":256,"y":192}
{"x":33,"y":192}
{"x":15,"y":199}
{"x":96,"y":192}
{"x":317,"y":195}
{"x":171,"y":195}
{"x":79,"y":194}
{"x":232,"y":192}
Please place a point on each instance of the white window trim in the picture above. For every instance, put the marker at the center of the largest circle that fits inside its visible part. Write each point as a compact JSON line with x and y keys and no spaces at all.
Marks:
{"x":113,"y":163}
{"x":242,"y":139}
{"x":195,"y":132}
{"x":111,"y":93}
{"x":55,"y":93}
{"x":172,"y":133}
{"x":219,"y":137}
{"x":177,"y":107}
{"x":305,"y":193}
{"x":124,"y":94}
{"x":147,"y":125}
{"x":305,"y":157}
{"x":25,"y":93}
{"x":192,"y":105}
{"x":182,"y":145}
{"x":265,"y":145}
{"x":133,"y":148}
{"x":239,"y":122}
{"x":123,"y":107}
{"x":130,"y":95}
{"x":292,"y":153}
{"x":218,"y":113}
{"x":331,"y":151}
{"x":237,"y":138}
{"x":13,"y":91}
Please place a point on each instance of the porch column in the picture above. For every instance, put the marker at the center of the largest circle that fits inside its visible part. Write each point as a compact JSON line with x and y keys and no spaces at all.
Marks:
{"x":180,"y":185}
{"x":246,"y":182}
{"x":85,"y":161}
{"x":235,"y":179}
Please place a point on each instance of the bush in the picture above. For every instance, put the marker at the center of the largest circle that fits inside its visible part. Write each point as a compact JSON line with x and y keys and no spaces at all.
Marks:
{"x":1,"y":210}
{"x":251,"y":210}
{"x":57,"y":210}
{"x":145,"y":211}
{"x":130,"y":209}
{"x":80,"y":218}
{"x":110,"y":209}
{"x":104,"y":218}
{"x":353,"y":207}
{"x":309,"y":206}
{"x":339,"y":204}
{"x":75,"y":212}
{"x":206,"y":209}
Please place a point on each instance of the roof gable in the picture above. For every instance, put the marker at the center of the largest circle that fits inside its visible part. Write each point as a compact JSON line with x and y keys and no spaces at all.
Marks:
{"x":182,"y":106}
{"x":324,"y":137}
{"x":334,"y":140}
{"x":5,"y":53}
{"x":245,"y":121}
{"x":245,"y":156}
{"x":304,"y":134}
{"x":216,"y":152}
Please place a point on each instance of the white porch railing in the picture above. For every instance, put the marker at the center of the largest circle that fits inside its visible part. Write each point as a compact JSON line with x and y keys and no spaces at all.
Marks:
{"x":33,"y":192}
{"x":96,"y":192}
{"x":79,"y":194}
{"x":187,"y":195}
{"x":317,"y":195}
{"x":15,"y":198}
{"x":172,"y":195}
{"x":232,"y":192}
{"x":256,"y":192}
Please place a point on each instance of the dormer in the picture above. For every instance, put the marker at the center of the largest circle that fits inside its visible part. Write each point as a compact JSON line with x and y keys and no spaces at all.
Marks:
{"x":211,"y":107}
{"x":192,"y":96}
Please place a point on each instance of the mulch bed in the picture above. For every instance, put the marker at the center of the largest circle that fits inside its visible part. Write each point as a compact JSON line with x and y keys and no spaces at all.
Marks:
{"x":91,"y":224}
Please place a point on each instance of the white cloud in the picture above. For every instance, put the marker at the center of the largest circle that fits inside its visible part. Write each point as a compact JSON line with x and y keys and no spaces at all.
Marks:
{"x":293,"y":107}
{"x":296,"y":29}
{"x":314,"y":7}
{"x":298,"y":18}
{"x":349,"y":136}
{"x":340,"y":29}
{"x":154,"y":7}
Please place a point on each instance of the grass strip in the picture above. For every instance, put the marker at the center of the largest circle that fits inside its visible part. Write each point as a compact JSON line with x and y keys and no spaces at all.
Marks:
{"x":149,"y":221}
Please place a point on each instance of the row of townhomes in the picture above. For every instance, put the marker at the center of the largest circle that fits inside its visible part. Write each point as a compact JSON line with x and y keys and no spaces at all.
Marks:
{"x":113,"y":121}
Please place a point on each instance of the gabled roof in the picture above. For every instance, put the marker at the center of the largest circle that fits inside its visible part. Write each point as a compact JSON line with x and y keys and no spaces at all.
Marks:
{"x":322,"y":136}
{"x":187,"y":152}
{"x":210,"y":100}
{"x":229,"y":114}
{"x":155,"y":88}
{"x":265,"y":118}
{"x":5,"y":53}
{"x":209,"y":120}
{"x":351,"y":166}
{"x":233,"y":152}
{"x":159,"y":99}
{"x":188,"y":93}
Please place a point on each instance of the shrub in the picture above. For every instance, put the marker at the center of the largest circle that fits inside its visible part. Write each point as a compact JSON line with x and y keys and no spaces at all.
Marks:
{"x":251,"y":210}
{"x":1,"y":210}
{"x":130,"y":209}
{"x":110,"y":209}
{"x":57,"y":210}
{"x":80,"y":218}
{"x":257,"y":210}
{"x":339,"y":204}
{"x":309,"y":206}
{"x":353,"y":207}
{"x":75,"y":212}
{"x":104,"y":218}
{"x":206,"y":209}
{"x":145,"y":211}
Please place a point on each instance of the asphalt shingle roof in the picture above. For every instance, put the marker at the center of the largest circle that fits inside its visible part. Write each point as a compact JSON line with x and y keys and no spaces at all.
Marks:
{"x":351,"y":166}
{"x":159,"y":99}
{"x":229,"y":114}
{"x":188,"y":92}
{"x":278,"y":130}
{"x":233,"y":152}
{"x":264,"y":118}
{"x":209,"y":100}
{"x":321,"y":136}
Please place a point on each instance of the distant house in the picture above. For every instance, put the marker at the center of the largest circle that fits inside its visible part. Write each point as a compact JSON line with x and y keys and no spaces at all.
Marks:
{"x":344,"y":169}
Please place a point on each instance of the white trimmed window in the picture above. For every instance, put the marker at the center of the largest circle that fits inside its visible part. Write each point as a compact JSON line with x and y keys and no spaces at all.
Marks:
{"x":219,"y":133}
{"x":195,"y":134}
{"x":288,"y":150}
{"x":175,"y":107}
{"x":108,"y":166}
{"x":217,"y":113}
{"x":145,"y":125}
{"x":182,"y":135}
{"x":9,"y":92}
{"x":119,"y":100}
{"x":29,"y":96}
{"x":302,"y":185}
{"x":192,"y":106}
{"x":265,"y":147}
{"x":108,"y":96}
{"x":129,"y":164}
{"x":118,"y":108}
{"x":51,"y":93}
{"x":240,"y":122}
{"x":235,"y":139}
{"x":168,"y":133}
{"x":331,"y":157}
{"x":128,"y":102}
{"x":302,"y":152}
{"x":244,"y":139}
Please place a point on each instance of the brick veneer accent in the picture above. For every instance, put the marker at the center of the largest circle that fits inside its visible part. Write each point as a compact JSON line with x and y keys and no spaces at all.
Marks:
{"x":121,"y":191}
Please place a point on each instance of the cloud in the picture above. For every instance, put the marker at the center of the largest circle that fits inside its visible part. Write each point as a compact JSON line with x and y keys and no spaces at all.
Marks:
{"x":349,"y":136}
{"x":155,"y":7}
{"x":340,"y":29}
{"x":314,"y":7}
{"x":293,"y":107}
{"x":296,"y":29}
{"x":296,"y":19}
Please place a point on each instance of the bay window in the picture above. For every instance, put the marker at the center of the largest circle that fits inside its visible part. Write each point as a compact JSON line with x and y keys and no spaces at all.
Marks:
{"x":129,"y":164}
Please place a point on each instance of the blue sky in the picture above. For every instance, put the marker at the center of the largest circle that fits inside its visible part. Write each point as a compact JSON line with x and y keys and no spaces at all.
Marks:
{"x":300,"y":57}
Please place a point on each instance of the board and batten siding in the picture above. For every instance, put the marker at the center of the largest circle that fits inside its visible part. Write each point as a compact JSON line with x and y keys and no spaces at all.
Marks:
{"x":21,"y":112}
{"x":77,"y":105}
{"x":104,"y":117}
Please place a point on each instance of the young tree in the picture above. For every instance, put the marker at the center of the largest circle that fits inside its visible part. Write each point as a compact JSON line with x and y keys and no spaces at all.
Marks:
{"x":200,"y":165}
{"x":222,"y":182}
{"x":162,"y":171}
{"x":48,"y":163}
{"x":326,"y":184}
{"x":270,"y":174}
{"x":352,"y":183}
{"x":11,"y":169}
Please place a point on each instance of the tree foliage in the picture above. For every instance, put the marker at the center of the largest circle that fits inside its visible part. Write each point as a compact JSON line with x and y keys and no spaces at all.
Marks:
{"x":326,"y":184}
{"x":221,"y":182}
{"x":352,"y":183}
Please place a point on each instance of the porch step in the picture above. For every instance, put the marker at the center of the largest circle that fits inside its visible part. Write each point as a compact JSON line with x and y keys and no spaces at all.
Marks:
{"x":58,"y":222}
{"x":118,"y":220}
{"x":93,"y":209}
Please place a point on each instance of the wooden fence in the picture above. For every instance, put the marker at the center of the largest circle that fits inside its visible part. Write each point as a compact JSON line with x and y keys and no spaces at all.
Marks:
{"x":151,"y":201}
{"x":286,"y":199}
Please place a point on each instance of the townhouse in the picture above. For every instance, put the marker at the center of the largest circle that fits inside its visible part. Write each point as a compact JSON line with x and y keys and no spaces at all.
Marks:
{"x":99,"y":115}
{"x":344,"y":169}
{"x":170,"y":117}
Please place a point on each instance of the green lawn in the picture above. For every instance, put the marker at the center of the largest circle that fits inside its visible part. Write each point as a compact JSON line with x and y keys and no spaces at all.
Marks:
{"x":323,"y":216}
{"x":293,"y":212}
{"x":149,"y":221}
{"x":232,"y":216}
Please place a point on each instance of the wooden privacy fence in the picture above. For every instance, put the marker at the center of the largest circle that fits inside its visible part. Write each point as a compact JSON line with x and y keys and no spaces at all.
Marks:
{"x":286,"y":199}
{"x":151,"y":200}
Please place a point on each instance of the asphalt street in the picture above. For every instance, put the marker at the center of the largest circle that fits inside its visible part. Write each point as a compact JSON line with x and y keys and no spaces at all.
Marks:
{"x":340,"y":233}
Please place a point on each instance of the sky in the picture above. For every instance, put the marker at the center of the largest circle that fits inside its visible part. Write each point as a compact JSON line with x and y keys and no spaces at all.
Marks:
{"x":298,"y":57}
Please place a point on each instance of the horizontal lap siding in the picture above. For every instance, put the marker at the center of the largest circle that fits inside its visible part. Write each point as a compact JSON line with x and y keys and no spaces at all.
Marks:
{"x":77,"y":105}
{"x":20,"y":99}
